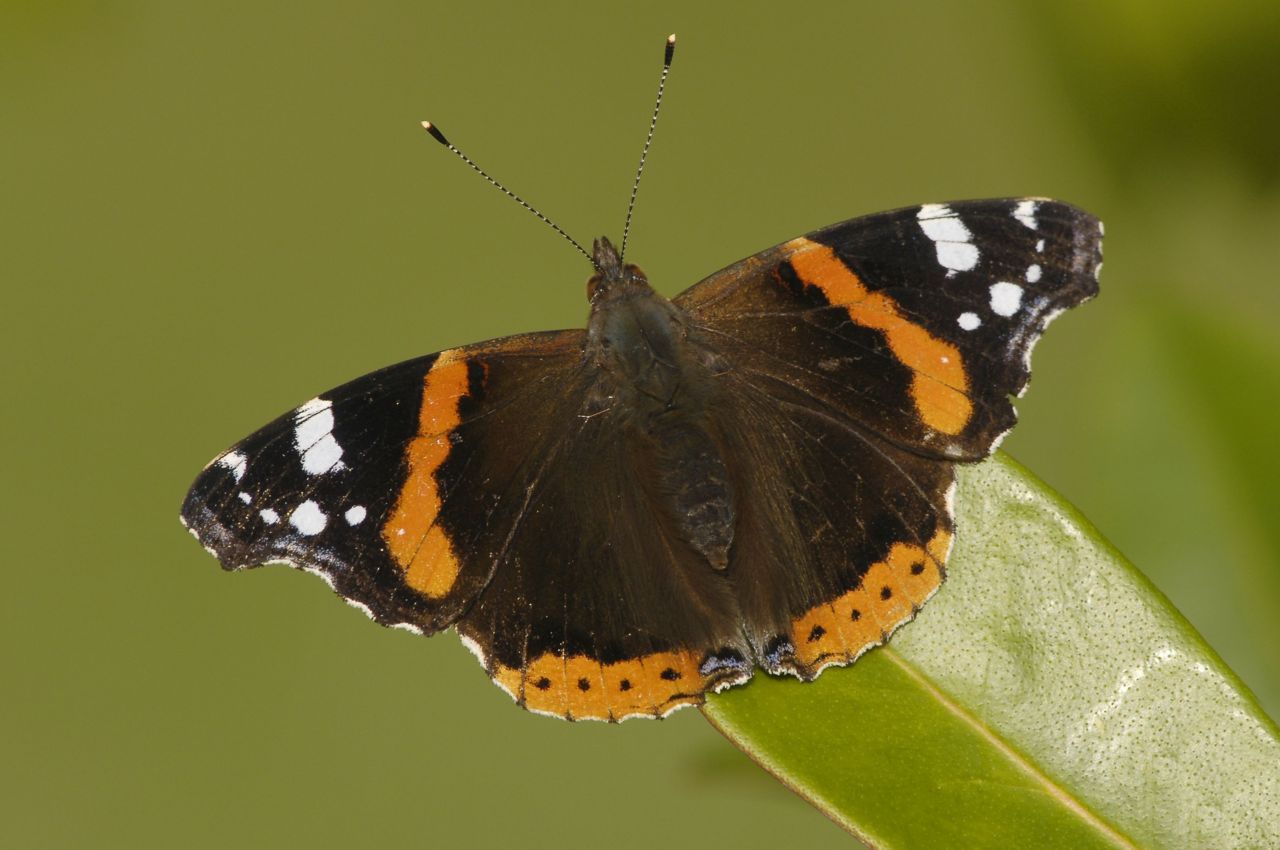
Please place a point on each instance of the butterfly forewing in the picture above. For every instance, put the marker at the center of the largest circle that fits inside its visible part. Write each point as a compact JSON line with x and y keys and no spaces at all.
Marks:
{"x":371,"y":485}
{"x":917,"y":323}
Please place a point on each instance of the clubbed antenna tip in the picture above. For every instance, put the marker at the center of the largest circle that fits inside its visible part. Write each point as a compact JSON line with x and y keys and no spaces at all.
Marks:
{"x":435,"y":133}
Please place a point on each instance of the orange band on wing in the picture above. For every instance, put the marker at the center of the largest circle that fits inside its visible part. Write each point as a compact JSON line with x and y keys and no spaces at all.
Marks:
{"x":939,"y":383}
{"x":889,"y":595}
{"x":419,"y":546}
{"x":581,"y":688}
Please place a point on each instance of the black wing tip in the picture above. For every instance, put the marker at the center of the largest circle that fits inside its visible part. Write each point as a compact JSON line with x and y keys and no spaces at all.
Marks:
{"x":235,"y":553}
{"x":203,"y":515}
{"x":202,"y":524}
{"x":1085,"y":266}
{"x":1086,"y":236}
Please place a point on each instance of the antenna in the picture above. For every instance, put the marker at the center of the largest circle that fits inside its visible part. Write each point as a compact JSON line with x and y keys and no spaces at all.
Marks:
{"x":653,"y":122}
{"x":439,"y":137}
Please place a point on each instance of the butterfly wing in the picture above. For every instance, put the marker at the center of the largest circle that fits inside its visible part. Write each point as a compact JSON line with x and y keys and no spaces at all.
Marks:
{"x":479,"y":487}
{"x":361,"y":484}
{"x":865,"y":359}
{"x":841,"y":535}
{"x":917,"y":323}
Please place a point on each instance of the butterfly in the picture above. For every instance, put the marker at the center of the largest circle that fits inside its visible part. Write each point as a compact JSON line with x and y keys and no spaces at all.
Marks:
{"x":617,"y":520}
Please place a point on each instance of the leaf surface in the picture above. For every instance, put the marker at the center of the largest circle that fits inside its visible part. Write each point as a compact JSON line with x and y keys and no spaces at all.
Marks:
{"x":1048,"y":696}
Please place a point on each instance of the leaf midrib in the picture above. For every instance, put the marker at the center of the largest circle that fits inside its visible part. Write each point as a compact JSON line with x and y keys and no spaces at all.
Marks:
{"x":1015,"y":757}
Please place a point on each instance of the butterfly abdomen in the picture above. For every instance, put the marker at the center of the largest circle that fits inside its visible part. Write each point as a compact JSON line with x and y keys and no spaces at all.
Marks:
{"x":694,"y":485}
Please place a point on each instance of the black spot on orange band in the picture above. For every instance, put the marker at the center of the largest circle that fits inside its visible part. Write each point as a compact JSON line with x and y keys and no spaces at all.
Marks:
{"x":889,"y":594}
{"x":581,"y":688}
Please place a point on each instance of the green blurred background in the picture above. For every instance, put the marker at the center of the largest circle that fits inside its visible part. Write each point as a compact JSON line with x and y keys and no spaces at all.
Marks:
{"x":214,"y":211}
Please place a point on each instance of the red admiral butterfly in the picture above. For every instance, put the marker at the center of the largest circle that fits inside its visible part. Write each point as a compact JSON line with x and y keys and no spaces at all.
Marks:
{"x":616,"y":520}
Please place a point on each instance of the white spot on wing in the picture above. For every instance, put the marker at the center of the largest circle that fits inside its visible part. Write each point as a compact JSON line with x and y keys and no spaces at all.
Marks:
{"x":324,"y":455}
{"x":957,"y":256}
{"x":235,"y":462}
{"x":269,"y":516}
{"x":1006,"y":298}
{"x":944,"y":229}
{"x":969,"y":321}
{"x":1025,"y":212}
{"x":308,"y":518}
{"x":313,"y":437}
{"x":1039,"y":246}
{"x":355,"y":515}
{"x":950,"y":237}
{"x":245,"y":497}
{"x":1033,"y":273}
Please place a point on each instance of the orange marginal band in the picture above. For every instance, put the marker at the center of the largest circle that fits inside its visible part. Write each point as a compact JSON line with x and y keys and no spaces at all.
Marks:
{"x":581,"y":688}
{"x":889,"y":595}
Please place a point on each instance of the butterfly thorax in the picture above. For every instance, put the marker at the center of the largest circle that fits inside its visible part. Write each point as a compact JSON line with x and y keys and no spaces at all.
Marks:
{"x":640,"y":344}
{"x":657,"y":376}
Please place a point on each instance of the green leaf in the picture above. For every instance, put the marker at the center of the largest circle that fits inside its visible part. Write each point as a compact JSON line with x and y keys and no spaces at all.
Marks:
{"x":1048,"y":696}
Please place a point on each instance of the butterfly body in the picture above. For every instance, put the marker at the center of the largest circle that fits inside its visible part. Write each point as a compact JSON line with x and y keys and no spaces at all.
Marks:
{"x":662,"y":377}
{"x":618,"y":520}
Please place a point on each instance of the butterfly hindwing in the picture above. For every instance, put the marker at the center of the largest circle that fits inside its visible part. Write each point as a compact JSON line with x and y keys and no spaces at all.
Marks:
{"x":598,"y":609}
{"x":917,"y":323}
{"x":842,"y":535}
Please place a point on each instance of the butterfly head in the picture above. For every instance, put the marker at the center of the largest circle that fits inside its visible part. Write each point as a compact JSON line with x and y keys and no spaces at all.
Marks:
{"x":637,"y":338}
{"x":612,"y":277}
